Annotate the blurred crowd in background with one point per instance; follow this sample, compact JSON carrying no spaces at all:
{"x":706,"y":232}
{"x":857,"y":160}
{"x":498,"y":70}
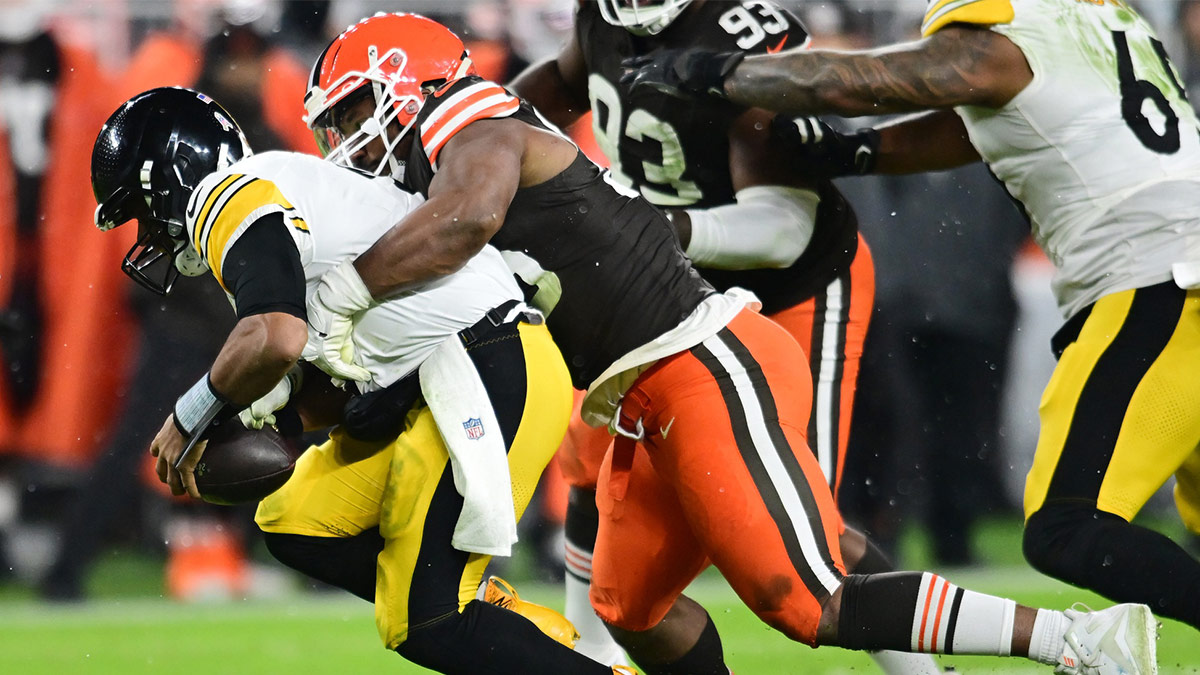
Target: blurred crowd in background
{"x":945,"y":421}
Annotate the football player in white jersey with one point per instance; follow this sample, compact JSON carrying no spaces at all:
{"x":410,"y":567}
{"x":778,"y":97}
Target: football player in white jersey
{"x":389,"y":513}
{"x":1076,"y":107}
{"x":734,"y":483}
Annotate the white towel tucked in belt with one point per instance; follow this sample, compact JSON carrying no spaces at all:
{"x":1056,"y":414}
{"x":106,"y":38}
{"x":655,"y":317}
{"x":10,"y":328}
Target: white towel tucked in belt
{"x":464,"y":416}
{"x":1186,"y":274}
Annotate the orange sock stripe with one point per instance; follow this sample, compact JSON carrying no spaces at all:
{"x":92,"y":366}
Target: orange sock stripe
{"x":937,"y":620}
{"x":933,"y":579}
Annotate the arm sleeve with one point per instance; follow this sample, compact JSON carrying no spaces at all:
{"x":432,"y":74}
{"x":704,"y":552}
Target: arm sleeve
{"x":262,"y":270}
{"x":767,"y":227}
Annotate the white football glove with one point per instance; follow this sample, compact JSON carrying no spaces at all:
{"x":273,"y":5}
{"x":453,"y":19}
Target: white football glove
{"x":340,"y":295}
{"x":262,"y":411}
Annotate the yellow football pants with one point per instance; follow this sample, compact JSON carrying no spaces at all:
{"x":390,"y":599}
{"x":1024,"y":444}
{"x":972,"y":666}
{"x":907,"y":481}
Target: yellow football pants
{"x":405,"y":488}
{"x":1121,"y":412}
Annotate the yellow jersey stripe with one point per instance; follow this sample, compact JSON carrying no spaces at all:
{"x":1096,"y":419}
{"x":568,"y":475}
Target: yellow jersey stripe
{"x":198,"y":233}
{"x":256,"y":197}
{"x":298,"y":222}
{"x":982,"y":12}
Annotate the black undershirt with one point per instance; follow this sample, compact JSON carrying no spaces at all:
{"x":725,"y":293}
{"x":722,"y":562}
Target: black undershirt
{"x":263,"y":272}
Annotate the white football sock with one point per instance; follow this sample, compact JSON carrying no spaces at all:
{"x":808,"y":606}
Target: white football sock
{"x":1046,"y":643}
{"x":953,"y":620}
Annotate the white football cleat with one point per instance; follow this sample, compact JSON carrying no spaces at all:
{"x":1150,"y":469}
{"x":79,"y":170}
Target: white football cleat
{"x":1120,"y":640}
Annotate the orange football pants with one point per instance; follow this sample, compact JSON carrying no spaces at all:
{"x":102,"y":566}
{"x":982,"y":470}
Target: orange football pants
{"x":722,"y":475}
{"x":830,"y":328}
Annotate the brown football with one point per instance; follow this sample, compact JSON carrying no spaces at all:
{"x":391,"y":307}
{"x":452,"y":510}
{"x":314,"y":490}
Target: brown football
{"x":242,"y":465}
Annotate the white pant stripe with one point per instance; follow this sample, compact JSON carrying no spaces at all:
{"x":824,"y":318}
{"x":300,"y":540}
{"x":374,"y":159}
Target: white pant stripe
{"x":768,"y":453}
{"x":827,"y":391}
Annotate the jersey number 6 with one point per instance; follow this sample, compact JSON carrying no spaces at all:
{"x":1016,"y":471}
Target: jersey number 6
{"x":1135,"y":93}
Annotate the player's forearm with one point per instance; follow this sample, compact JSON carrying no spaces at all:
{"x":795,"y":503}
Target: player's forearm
{"x":926,"y":142}
{"x":257,"y":355}
{"x":949,"y":69}
{"x":769,"y":226}
{"x":433,"y":241}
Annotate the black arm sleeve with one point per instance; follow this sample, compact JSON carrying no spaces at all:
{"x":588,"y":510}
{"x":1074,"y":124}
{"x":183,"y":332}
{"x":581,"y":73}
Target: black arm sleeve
{"x":263,"y":272}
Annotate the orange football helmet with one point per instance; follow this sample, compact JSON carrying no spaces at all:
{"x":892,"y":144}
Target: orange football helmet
{"x":397,"y":59}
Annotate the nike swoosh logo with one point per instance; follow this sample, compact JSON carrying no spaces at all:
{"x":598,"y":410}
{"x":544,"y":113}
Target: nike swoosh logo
{"x":776,"y":48}
{"x":663,"y":430}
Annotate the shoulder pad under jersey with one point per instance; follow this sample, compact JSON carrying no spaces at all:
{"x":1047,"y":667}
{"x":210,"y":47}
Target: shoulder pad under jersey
{"x":979,"y":12}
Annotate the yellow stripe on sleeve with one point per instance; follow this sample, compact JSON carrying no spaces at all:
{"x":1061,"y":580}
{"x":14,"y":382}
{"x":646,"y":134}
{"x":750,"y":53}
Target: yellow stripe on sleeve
{"x":980,"y":12}
{"x":297,"y":221}
{"x":198,"y":232}
{"x":257,"y":195}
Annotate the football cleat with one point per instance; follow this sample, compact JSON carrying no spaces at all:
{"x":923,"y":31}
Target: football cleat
{"x":1120,"y":640}
{"x":500,"y":593}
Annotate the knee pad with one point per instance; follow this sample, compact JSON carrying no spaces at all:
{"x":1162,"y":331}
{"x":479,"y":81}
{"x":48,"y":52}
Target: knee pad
{"x":1057,"y":534}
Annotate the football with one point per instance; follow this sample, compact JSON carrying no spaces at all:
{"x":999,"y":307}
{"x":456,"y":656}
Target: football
{"x":242,"y":465}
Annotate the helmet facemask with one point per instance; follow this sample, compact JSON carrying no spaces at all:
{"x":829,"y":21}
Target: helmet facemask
{"x":162,"y":251}
{"x":396,"y":104}
{"x":642,"y":17}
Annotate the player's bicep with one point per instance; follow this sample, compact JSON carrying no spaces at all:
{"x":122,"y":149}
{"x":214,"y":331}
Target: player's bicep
{"x":263,"y":271}
{"x":573,"y":68}
{"x":480,"y":166}
{"x":557,"y":87}
{"x":754,"y":159}
{"x":961,"y":65}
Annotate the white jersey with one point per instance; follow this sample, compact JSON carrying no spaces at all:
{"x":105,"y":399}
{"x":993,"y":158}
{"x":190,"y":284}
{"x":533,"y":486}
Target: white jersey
{"x":335,"y":214}
{"x":1102,"y":148}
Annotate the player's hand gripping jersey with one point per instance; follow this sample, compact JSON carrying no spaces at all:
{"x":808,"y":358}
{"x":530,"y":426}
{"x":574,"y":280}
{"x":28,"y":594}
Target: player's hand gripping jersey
{"x":334,"y":214}
{"x":1102,"y":88}
{"x":677,"y":154}
{"x":610,"y":276}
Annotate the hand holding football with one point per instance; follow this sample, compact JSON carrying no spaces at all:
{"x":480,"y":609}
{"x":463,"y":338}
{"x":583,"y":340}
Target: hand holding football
{"x":242,"y":465}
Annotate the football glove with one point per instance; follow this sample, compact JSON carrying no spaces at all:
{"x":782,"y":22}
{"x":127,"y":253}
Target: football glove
{"x":682,"y":72}
{"x":824,"y":152}
{"x":340,"y":295}
{"x":262,"y":411}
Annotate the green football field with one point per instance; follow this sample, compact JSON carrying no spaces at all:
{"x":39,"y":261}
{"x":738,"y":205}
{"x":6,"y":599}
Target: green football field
{"x":130,"y":630}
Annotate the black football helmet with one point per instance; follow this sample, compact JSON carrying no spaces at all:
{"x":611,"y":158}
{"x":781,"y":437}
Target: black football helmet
{"x":150,"y":156}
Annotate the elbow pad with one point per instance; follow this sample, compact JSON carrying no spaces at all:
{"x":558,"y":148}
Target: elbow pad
{"x":769,"y":226}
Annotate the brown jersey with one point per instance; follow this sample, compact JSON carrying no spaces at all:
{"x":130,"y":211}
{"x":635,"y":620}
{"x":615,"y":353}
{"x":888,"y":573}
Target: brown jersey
{"x":603,"y":262}
{"x":677,"y":155}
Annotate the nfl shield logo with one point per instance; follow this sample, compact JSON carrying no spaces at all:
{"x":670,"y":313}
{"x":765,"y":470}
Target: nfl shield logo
{"x":474,"y":428}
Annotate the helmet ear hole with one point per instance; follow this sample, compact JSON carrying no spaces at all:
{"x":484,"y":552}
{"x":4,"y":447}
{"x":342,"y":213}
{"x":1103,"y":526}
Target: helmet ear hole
{"x":430,"y":86}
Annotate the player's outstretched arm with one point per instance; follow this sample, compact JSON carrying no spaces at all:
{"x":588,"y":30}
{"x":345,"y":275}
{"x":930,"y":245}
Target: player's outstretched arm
{"x":925,"y":142}
{"x":479,"y":170}
{"x":959,"y":65}
{"x":772,"y":219}
{"x":557,"y":86}
{"x":930,"y":141}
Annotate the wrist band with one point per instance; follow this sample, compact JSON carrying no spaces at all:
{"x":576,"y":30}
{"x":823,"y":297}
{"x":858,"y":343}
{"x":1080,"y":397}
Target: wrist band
{"x":198,"y":407}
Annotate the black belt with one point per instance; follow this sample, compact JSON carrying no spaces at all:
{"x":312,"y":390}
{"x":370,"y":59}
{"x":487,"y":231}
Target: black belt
{"x":493,"y":319}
